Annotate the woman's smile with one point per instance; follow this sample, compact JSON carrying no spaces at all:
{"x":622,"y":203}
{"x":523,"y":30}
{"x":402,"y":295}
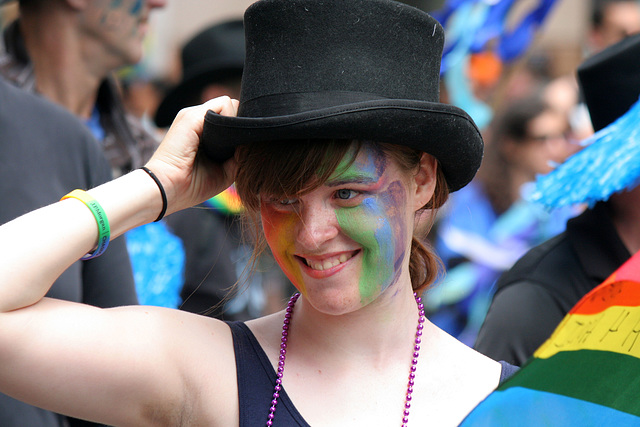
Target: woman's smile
{"x":325,"y":262}
{"x":355,"y":225}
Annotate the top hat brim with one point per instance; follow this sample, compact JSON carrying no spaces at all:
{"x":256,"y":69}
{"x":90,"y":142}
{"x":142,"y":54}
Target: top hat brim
{"x":187,"y":92}
{"x":442,"y":130}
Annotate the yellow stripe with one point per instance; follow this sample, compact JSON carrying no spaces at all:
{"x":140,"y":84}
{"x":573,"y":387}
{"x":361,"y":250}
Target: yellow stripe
{"x":615,"y":329}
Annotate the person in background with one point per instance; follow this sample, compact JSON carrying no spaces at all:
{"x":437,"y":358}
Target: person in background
{"x":215,"y":256}
{"x":44,"y":150}
{"x":533,"y":297}
{"x":67,"y":51}
{"x":212,"y":62}
{"x":340,"y":143}
{"x":488,"y":225}
{"x":611,"y":21}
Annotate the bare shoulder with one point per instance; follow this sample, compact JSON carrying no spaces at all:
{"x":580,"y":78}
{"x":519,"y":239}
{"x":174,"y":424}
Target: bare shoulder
{"x":459,"y":376}
{"x":476,"y":371}
{"x":268,"y":332}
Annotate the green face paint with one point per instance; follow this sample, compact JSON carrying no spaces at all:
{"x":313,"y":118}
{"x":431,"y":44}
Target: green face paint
{"x":378,"y":224}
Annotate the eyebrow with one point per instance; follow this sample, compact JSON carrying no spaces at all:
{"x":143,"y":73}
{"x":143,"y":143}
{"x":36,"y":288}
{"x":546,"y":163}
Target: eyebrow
{"x":355,"y":178}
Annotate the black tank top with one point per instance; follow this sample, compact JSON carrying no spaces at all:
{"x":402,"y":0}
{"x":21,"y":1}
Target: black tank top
{"x":257,"y":378}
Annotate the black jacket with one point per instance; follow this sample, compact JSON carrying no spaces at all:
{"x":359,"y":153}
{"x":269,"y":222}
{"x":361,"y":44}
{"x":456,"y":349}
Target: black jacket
{"x":534,"y":296}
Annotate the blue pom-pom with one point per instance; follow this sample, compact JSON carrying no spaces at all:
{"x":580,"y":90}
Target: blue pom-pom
{"x":609,"y":163}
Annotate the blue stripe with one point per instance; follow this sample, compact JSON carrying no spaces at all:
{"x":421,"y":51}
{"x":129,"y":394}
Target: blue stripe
{"x":524,"y":407}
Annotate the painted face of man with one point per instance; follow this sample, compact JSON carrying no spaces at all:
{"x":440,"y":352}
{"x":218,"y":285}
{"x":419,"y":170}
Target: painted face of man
{"x":118,"y":27}
{"x":348,"y":240}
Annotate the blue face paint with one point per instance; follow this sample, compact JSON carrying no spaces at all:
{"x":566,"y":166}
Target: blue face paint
{"x":378,"y":223}
{"x":136,"y":7}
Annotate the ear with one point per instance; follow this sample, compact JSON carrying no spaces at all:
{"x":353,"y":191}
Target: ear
{"x":425,"y":180}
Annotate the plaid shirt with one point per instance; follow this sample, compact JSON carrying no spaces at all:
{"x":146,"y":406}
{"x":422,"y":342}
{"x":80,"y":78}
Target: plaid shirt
{"x":127,"y":144}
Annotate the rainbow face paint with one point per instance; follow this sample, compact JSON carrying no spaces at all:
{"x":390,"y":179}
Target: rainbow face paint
{"x":378,"y":224}
{"x":279,"y":230}
{"x":366,"y":203}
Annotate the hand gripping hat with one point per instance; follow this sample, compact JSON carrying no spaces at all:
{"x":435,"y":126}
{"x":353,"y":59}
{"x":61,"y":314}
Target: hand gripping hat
{"x":357,"y":69}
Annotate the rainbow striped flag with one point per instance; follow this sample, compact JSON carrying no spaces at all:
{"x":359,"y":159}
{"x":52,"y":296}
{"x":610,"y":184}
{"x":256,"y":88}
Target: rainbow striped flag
{"x":227,"y":202}
{"x":587,"y":373}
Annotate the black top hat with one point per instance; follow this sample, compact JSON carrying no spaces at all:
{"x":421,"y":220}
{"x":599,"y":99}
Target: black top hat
{"x":214,"y":54}
{"x":610,"y":81}
{"x":357,"y":69}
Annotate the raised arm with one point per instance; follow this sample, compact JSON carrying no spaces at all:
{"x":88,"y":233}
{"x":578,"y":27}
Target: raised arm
{"x":120,"y":365}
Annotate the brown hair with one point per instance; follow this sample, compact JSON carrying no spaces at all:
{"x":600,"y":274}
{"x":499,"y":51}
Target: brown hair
{"x":289,"y":168}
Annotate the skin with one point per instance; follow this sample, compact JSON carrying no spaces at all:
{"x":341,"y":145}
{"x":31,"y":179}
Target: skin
{"x":119,"y":27}
{"x":354,"y":215}
{"x":127,"y":366}
{"x":621,"y":19}
{"x":75,"y":44}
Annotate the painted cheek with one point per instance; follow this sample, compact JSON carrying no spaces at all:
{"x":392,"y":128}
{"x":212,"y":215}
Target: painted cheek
{"x":378,"y":226}
{"x":279,"y":230}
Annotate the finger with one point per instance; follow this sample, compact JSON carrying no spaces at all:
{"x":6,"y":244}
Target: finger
{"x":229,"y":107}
{"x":218,"y":105}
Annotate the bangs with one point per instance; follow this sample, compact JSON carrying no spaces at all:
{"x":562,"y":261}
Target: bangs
{"x":286,"y":169}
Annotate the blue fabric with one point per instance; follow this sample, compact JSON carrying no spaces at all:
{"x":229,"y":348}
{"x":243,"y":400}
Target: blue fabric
{"x":93,"y":123}
{"x":158,"y":258}
{"x":523,"y":407}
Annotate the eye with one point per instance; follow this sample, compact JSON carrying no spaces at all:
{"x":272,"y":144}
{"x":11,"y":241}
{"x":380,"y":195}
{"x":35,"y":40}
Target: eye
{"x":346,"y":194}
{"x":286,"y":202}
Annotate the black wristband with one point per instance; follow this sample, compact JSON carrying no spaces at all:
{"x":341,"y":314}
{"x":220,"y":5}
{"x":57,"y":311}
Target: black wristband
{"x":162,"y":192}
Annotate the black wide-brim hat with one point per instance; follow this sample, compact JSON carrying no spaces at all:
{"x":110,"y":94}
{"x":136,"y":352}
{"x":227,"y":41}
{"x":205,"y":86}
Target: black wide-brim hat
{"x":610,"y":81}
{"x":357,"y":69}
{"x":211,"y":56}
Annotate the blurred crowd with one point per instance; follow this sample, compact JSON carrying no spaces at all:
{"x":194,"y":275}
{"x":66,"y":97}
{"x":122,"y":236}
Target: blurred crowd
{"x":191,"y":260}
{"x":538,"y":120}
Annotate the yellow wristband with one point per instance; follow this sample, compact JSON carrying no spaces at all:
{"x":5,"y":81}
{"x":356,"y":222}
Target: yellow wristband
{"x":104,"y":232}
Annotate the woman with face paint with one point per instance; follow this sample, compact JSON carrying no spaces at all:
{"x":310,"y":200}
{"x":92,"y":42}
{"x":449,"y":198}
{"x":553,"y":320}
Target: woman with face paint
{"x":339,"y":145}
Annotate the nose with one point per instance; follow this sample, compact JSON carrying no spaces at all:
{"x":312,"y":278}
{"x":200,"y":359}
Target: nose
{"x":156,"y":4}
{"x":318,"y":224}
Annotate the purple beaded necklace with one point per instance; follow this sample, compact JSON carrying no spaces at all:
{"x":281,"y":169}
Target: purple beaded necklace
{"x":283,"y":355}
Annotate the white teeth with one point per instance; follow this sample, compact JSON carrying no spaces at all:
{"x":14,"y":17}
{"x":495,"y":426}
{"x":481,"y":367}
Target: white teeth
{"x":328,"y":263}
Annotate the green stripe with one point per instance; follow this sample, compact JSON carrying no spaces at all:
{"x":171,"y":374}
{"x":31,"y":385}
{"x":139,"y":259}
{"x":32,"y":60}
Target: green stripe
{"x":602,"y":377}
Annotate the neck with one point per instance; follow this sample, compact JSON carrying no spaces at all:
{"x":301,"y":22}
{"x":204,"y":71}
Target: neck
{"x":376,"y":331}
{"x":64,"y":73}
